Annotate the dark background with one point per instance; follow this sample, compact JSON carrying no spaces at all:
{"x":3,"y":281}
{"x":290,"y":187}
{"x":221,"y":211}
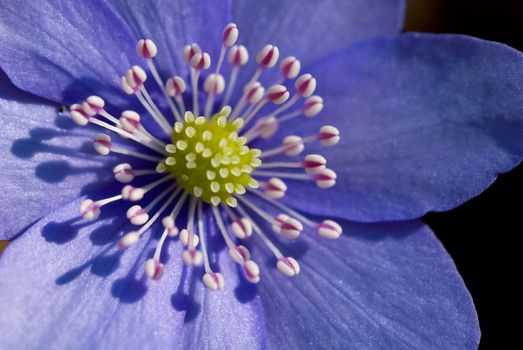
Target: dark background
{"x":481,"y":234}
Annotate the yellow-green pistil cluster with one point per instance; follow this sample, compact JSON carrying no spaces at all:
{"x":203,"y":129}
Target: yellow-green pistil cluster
{"x":210,"y":160}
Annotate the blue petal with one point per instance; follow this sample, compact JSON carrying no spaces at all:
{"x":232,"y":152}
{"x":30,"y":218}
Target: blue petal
{"x":65,"y":51}
{"x":310,"y":29}
{"x":86,"y":294}
{"x":46,"y":161}
{"x":380,"y":286}
{"x":427,"y":122}
{"x":172,"y":24}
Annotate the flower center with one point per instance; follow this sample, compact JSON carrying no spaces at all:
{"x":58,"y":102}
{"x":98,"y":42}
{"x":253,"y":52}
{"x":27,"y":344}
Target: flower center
{"x":203,"y":162}
{"x":210,"y":160}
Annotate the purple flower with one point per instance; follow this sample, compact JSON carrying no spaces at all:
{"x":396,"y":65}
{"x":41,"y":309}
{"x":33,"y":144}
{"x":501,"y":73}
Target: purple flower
{"x":425,"y":122}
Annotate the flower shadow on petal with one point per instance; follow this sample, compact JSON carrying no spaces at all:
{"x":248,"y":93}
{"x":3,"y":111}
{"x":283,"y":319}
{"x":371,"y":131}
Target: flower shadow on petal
{"x":183,"y":298}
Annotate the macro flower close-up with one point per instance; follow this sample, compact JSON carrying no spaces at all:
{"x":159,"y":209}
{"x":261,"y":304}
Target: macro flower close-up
{"x":241,"y":174}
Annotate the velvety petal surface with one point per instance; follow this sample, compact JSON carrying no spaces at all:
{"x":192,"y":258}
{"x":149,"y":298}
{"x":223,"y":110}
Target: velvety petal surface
{"x":380,"y":286}
{"x":46,"y":160}
{"x":427,"y":122}
{"x":174,"y":24}
{"x":310,"y":29}
{"x":65,"y":50}
{"x":65,"y":284}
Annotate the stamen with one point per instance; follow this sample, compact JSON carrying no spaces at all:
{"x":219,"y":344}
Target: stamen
{"x":213,"y":280}
{"x":132,"y":83}
{"x":130,"y":122}
{"x":138,"y":215}
{"x":282,"y":224}
{"x":199,"y":62}
{"x":276,"y":94}
{"x":81,"y":118}
{"x":252,"y":93}
{"x":103,"y":145}
{"x":328,"y":228}
{"x":286,"y":265}
{"x":312,"y":107}
{"x":124,"y":172}
{"x":312,"y":164}
{"x":175,"y":87}
{"x":238,"y":57}
{"x":275,"y":188}
{"x":294,"y":145}
{"x":241,"y":227}
{"x":325,"y":179}
{"x":290,"y":68}
{"x":238,"y":254}
{"x":146,"y":48}
{"x":191,"y":256}
{"x":153,"y":267}
{"x":214,"y":85}
{"x":134,"y":194}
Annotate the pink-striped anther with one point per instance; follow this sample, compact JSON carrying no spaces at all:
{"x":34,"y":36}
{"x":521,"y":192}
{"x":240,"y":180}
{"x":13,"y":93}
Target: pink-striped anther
{"x":169,"y":224}
{"x":268,"y":56}
{"x":305,"y":85}
{"x":93,"y":105}
{"x":175,"y":86}
{"x":291,"y":228}
{"x":275,"y":188}
{"x":313,"y":106}
{"x":126,"y":87}
{"x":230,"y":34}
{"x":280,"y":219}
{"x":129,"y":121}
{"x":329,"y":135}
{"x":135,"y":77}
{"x":238,"y":56}
{"x":137,"y":215}
{"x":123,"y":173}
{"x":128,"y":240}
{"x":89,"y":210}
{"x":290,"y":67}
{"x":240,"y":254}
{"x":314,"y":164}
{"x":251,"y":271}
{"x":326,"y":179}
{"x":242,"y":228}
{"x":293,"y":145}
{"x":189,"y":51}
{"x":192,"y":257}
{"x":133,"y":194}
{"x":78,"y":114}
{"x":201,"y":61}
{"x":254,"y":92}
{"x":214,"y":84}
{"x":213,"y":281}
{"x":278,"y":94}
{"x":146,"y":48}
{"x":154,"y":269}
{"x":102,"y":144}
{"x":329,"y":229}
{"x":267,"y":126}
{"x":184,"y":238}
{"x":288,"y":266}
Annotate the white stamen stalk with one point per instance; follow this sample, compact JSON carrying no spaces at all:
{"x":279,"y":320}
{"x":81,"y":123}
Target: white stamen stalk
{"x":160,"y":83}
{"x":125,"y":134}
{"x":166,"y":126}
{"x":283,"y":207}
{"x":277,"y":253}
{"x":162,"y":208}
